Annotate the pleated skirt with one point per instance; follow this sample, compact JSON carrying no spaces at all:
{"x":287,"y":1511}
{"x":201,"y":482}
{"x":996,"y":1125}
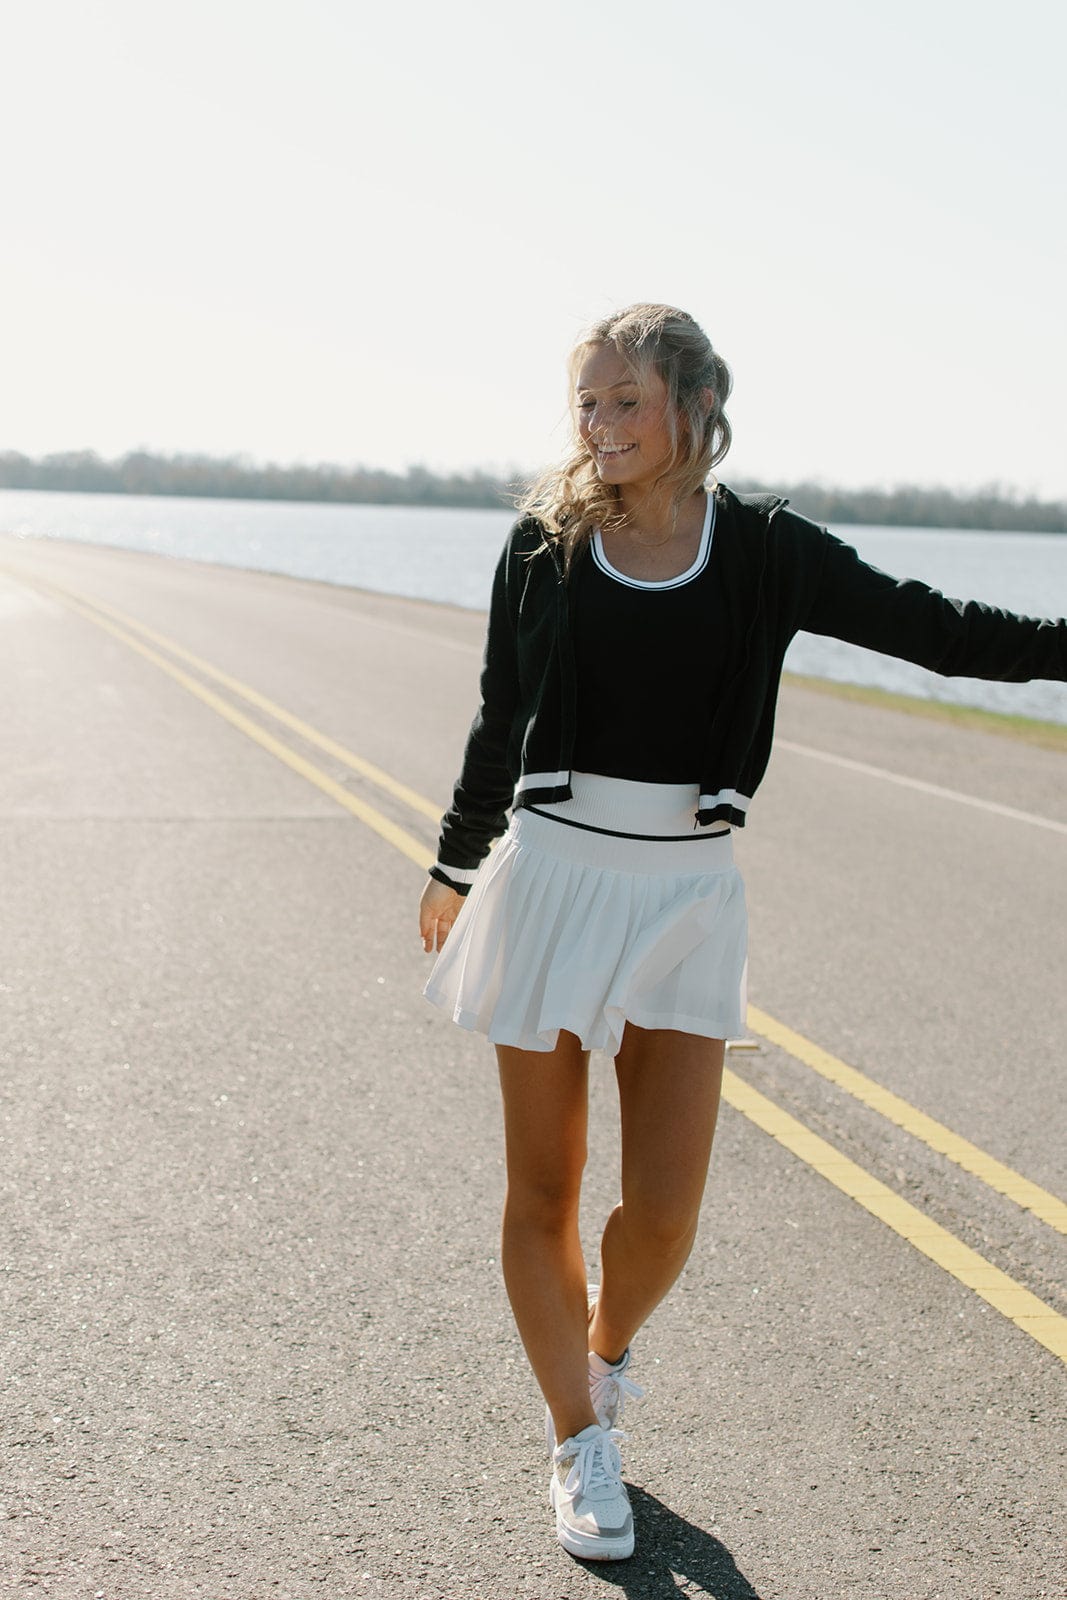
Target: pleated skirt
{"x":571,"y":924}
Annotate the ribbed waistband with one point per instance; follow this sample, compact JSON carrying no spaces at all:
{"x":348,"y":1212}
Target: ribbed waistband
{"x":620,"y":805}
{"x":631,"y":827}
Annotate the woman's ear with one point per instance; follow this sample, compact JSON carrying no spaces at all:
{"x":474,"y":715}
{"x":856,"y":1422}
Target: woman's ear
{"x":709,"y":401}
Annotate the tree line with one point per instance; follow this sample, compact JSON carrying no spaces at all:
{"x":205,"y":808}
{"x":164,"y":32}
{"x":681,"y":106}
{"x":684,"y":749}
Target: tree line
{"x":236,"y":477}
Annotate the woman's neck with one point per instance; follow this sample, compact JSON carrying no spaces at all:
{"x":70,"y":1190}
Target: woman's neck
{"x":653,"y":519}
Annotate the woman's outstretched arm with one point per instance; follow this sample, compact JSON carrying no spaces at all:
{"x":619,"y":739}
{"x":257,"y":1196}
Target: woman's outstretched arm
{"x":906,"y":618}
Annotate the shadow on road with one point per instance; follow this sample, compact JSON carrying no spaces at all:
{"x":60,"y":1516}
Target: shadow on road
{"x":673,"y":1557}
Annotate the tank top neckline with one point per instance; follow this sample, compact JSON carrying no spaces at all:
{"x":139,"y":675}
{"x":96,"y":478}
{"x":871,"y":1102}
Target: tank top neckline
{"x":693,"y":571}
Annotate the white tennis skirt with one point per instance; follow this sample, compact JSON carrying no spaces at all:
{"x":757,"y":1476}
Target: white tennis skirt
{"x":569,"y":927}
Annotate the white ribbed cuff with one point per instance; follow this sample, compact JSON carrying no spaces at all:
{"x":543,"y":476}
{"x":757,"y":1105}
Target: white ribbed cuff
{"x":725,"y":797}
{"x":457,"y":874}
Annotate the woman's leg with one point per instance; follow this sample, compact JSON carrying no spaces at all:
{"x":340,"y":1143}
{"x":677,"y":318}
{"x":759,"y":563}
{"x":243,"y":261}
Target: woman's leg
{"x":545,"y":1117}
{"x":669,"y":1086}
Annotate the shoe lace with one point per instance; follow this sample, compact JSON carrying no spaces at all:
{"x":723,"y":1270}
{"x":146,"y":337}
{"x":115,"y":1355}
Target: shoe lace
{"x":595,"y":1464}
{"x":612,"y":1390}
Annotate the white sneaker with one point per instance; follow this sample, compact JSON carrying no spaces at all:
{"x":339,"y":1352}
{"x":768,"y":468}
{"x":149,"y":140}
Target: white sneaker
{"x":609,"y":1389}
{"x":593,"y":1516}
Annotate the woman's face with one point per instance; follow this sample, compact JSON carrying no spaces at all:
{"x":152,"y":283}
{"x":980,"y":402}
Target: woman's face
{"x":624,"y":429}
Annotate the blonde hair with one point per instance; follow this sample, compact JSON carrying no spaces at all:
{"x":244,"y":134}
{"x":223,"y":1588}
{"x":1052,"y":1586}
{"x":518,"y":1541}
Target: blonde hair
{"x":569,"y":499}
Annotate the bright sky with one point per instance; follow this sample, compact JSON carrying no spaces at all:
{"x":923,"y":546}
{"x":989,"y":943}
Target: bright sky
{"x":369,"y":233}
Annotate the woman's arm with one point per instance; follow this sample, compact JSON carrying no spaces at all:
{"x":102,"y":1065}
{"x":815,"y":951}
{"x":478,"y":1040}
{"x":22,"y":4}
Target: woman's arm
{"x":903,"y":617}
{"x":484,"y":789}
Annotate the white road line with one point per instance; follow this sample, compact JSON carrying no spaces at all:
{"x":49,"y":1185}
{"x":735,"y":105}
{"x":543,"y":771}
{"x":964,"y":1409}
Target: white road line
{"x":923,"y":788}
{"x":991,"y":806}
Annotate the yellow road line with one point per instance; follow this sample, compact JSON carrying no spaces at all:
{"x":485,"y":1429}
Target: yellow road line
{"x":932,"y":1133}
{"x":398,"y":837}
{"x":1011,"y":1299}
{"x":999,"y":1177}
{"x":304,"y":730}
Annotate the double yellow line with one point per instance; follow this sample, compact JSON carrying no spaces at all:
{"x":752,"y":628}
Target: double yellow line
{"x":119,"y":625}
{"x":1010,"y":1298}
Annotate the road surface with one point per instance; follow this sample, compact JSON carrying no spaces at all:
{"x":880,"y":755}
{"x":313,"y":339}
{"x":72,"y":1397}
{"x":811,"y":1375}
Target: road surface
{"x":254,"y":1336}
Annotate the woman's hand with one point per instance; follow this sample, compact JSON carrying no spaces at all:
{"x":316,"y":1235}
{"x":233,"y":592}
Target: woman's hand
{"x":438,"y":910}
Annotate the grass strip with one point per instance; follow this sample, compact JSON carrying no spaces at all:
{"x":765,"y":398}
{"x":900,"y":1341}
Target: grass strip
{"x":1030,"y":730}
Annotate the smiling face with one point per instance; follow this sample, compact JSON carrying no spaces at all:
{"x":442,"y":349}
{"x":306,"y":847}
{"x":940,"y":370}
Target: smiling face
{"x":624,"y":425}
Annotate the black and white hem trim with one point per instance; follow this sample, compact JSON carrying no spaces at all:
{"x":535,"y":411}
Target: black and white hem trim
{"x":457,"y":878}
{"x":729,"y":805}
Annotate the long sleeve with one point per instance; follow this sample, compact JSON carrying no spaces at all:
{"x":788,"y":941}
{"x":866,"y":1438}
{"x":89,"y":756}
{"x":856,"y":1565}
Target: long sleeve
{"x":483,"y":791}
{"x":903,"y":617}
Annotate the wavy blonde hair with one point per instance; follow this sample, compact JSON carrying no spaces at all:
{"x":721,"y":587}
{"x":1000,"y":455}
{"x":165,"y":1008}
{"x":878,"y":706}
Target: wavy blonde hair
{"x":569,"y":499}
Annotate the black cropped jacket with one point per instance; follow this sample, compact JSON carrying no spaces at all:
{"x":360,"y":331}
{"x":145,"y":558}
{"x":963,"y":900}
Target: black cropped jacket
{"x":778,"y":574}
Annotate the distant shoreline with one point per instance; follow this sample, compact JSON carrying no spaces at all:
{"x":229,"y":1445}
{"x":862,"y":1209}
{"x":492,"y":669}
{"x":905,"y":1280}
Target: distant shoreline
{"x":993,"y":509}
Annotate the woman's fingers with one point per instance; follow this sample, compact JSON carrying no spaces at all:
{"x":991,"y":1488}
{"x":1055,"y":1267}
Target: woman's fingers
{"x":434,"y":932}
{"x":434,"y":937}
{"x":438,"y":910}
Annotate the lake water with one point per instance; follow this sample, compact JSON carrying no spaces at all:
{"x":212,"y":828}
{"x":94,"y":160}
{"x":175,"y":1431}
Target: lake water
{"x":445,"y":555}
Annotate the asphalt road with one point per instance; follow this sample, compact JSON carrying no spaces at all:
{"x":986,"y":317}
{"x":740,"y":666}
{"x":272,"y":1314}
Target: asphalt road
{"x":254,"y":1339}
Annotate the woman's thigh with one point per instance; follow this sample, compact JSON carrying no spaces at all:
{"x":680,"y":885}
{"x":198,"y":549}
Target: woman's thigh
{"x":669,"y":1087}
{"x":545,"y":1098}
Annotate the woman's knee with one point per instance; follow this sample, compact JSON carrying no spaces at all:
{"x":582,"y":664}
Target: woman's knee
{"x":547,"y":1200}
{"x":661,"y":1228}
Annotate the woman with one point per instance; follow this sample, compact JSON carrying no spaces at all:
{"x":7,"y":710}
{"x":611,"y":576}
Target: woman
{"x":637,"y":629}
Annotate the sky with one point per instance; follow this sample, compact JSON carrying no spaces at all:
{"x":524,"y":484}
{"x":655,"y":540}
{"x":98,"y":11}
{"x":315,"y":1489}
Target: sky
{"x":369,"y":234}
